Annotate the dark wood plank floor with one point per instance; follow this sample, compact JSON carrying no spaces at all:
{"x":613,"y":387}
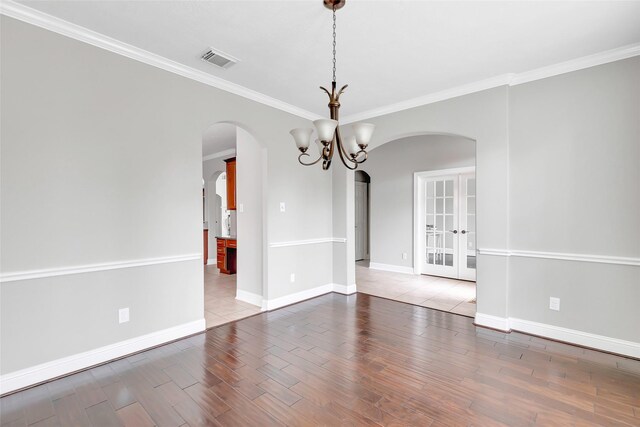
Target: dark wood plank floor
{"x":337,"y":360}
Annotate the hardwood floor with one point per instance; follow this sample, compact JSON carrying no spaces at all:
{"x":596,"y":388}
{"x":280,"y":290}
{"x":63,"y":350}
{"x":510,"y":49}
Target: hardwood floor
{"x":337,"y":360}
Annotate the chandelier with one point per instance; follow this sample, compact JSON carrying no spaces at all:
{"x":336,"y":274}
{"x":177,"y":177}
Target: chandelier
{"x":353,"y":151}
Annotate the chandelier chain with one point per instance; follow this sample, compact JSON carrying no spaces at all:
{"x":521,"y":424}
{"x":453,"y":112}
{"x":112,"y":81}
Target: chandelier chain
{"x":334,"y":43}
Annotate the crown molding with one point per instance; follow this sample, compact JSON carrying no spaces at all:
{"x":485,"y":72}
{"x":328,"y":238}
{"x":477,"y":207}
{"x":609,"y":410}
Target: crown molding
{"x":229,"y":152}
{"x":34,"y":17}
{"x":512,"y":79}
{"x":455,"y":92}
{"x":57,"y":25}
{"x":589,"y":61}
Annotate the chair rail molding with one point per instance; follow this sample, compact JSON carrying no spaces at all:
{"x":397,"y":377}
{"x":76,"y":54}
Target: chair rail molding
{"x":563,"y":256}
{"x":90,"y":268}
{"x":307,"y":242}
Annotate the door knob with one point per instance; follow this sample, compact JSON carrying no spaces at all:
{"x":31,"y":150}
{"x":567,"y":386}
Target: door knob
{"x":454,"y":231}
{"x":463,"y":231}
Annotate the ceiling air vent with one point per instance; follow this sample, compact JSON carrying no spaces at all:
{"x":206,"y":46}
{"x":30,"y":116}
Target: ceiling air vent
{"x":218,"y":58}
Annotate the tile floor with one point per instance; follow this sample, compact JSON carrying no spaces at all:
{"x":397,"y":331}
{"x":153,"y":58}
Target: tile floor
{"x":450,"y":295}
{"x":220,"y":303}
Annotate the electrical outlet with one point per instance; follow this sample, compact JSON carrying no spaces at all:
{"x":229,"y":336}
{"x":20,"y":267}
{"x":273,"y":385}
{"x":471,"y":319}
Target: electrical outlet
{"x":282,"y":207}
{"x":123,"y":315}
{"x":554,"y":303}
{"x":293,"y":277}
{"x":240,"y":207}
{"x":404,"y":255}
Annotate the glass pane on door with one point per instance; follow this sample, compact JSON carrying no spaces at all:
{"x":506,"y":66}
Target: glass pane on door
{"x":470,"y":195}
{"x":440,"y":222}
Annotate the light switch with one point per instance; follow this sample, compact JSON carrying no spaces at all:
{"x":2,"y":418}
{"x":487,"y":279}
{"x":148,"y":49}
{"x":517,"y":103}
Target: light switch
{"x":554,"y":303}
{"x":240,"y":207}
{"x":282,"y":207}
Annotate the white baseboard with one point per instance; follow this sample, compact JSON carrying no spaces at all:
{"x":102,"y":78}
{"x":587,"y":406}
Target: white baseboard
{"x":493,"y":322}
{"x":344,"y":289}
{"x":49,"y":370}
{"x":212,"y":261}
{"x":272,"y":304}
{"x":600,"y":342}
{"x":392,"y":268}
{"x":249,"y":297}
{"x":572,"y":336}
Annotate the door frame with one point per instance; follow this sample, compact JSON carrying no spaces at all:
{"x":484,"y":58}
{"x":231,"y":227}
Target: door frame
{"x":418,"y":201}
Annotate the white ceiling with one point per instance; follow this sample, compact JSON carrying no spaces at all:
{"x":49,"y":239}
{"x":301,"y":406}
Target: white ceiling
{"x":388,"y":52}
{"x":219,"y":137}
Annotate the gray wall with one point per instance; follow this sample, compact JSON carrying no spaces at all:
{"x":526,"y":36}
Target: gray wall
{"x":557,"y":173}
{"x":391,"y":168}
{"x":102,"y":162}
{"x":574,"y":175}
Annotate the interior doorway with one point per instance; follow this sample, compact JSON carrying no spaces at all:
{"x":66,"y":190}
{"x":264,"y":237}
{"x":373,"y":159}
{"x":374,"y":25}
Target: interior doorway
{"x":233,"y":174}
{"x":445,"y":214}
{"x":400,"y":265}
{"x":362,"y":194}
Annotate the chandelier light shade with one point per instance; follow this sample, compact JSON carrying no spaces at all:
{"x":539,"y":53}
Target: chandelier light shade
{"x":353,"y":151}
{"x":301,"y":136}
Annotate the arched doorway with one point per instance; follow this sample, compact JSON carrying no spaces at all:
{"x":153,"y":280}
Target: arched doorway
{"x":361,"y":216}
{"x":236,"y":230}
{"x":403,"y":237}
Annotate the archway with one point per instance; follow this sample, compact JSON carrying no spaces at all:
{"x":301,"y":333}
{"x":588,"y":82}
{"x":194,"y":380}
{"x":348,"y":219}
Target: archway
{"x":239,"y":233}
{"x":397,"y":228}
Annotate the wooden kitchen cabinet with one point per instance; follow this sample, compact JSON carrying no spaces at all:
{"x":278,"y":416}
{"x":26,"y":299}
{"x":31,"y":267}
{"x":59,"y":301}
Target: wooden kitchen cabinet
{"x":226,"y":254}
{"x":231,"y":183}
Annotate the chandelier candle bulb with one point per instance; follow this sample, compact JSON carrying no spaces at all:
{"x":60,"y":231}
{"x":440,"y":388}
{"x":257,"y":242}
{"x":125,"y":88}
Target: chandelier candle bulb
{"x":301,"y":136}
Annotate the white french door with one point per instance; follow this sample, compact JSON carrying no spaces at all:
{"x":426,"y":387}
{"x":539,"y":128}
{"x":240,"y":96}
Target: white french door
{"x":446,"y":224}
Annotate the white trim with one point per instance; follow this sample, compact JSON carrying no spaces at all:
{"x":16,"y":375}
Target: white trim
{"x":308,"y":242}
{"x":229,"y":152}
{"x":600,"y":342}
{"x":344,"y":289}
{"x":249,"y":297}
{"x":493,"y":322}
{"x":392,"y":268}
{"x":602,"y":259}
{"x":589,"y":61}
{"x":275,"y":303}
{"x":441,"y":172}
{"x":90,"y":268}
{"x":572,"y":336}
{"x":431,"y":98}
{"x":212,"y":261}
{"x":493,"y":252}
{"x":60,"y":26}
{"x":46,"y":371}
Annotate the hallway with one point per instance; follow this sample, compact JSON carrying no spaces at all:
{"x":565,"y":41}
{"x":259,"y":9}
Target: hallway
{"x":454,"y":296}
